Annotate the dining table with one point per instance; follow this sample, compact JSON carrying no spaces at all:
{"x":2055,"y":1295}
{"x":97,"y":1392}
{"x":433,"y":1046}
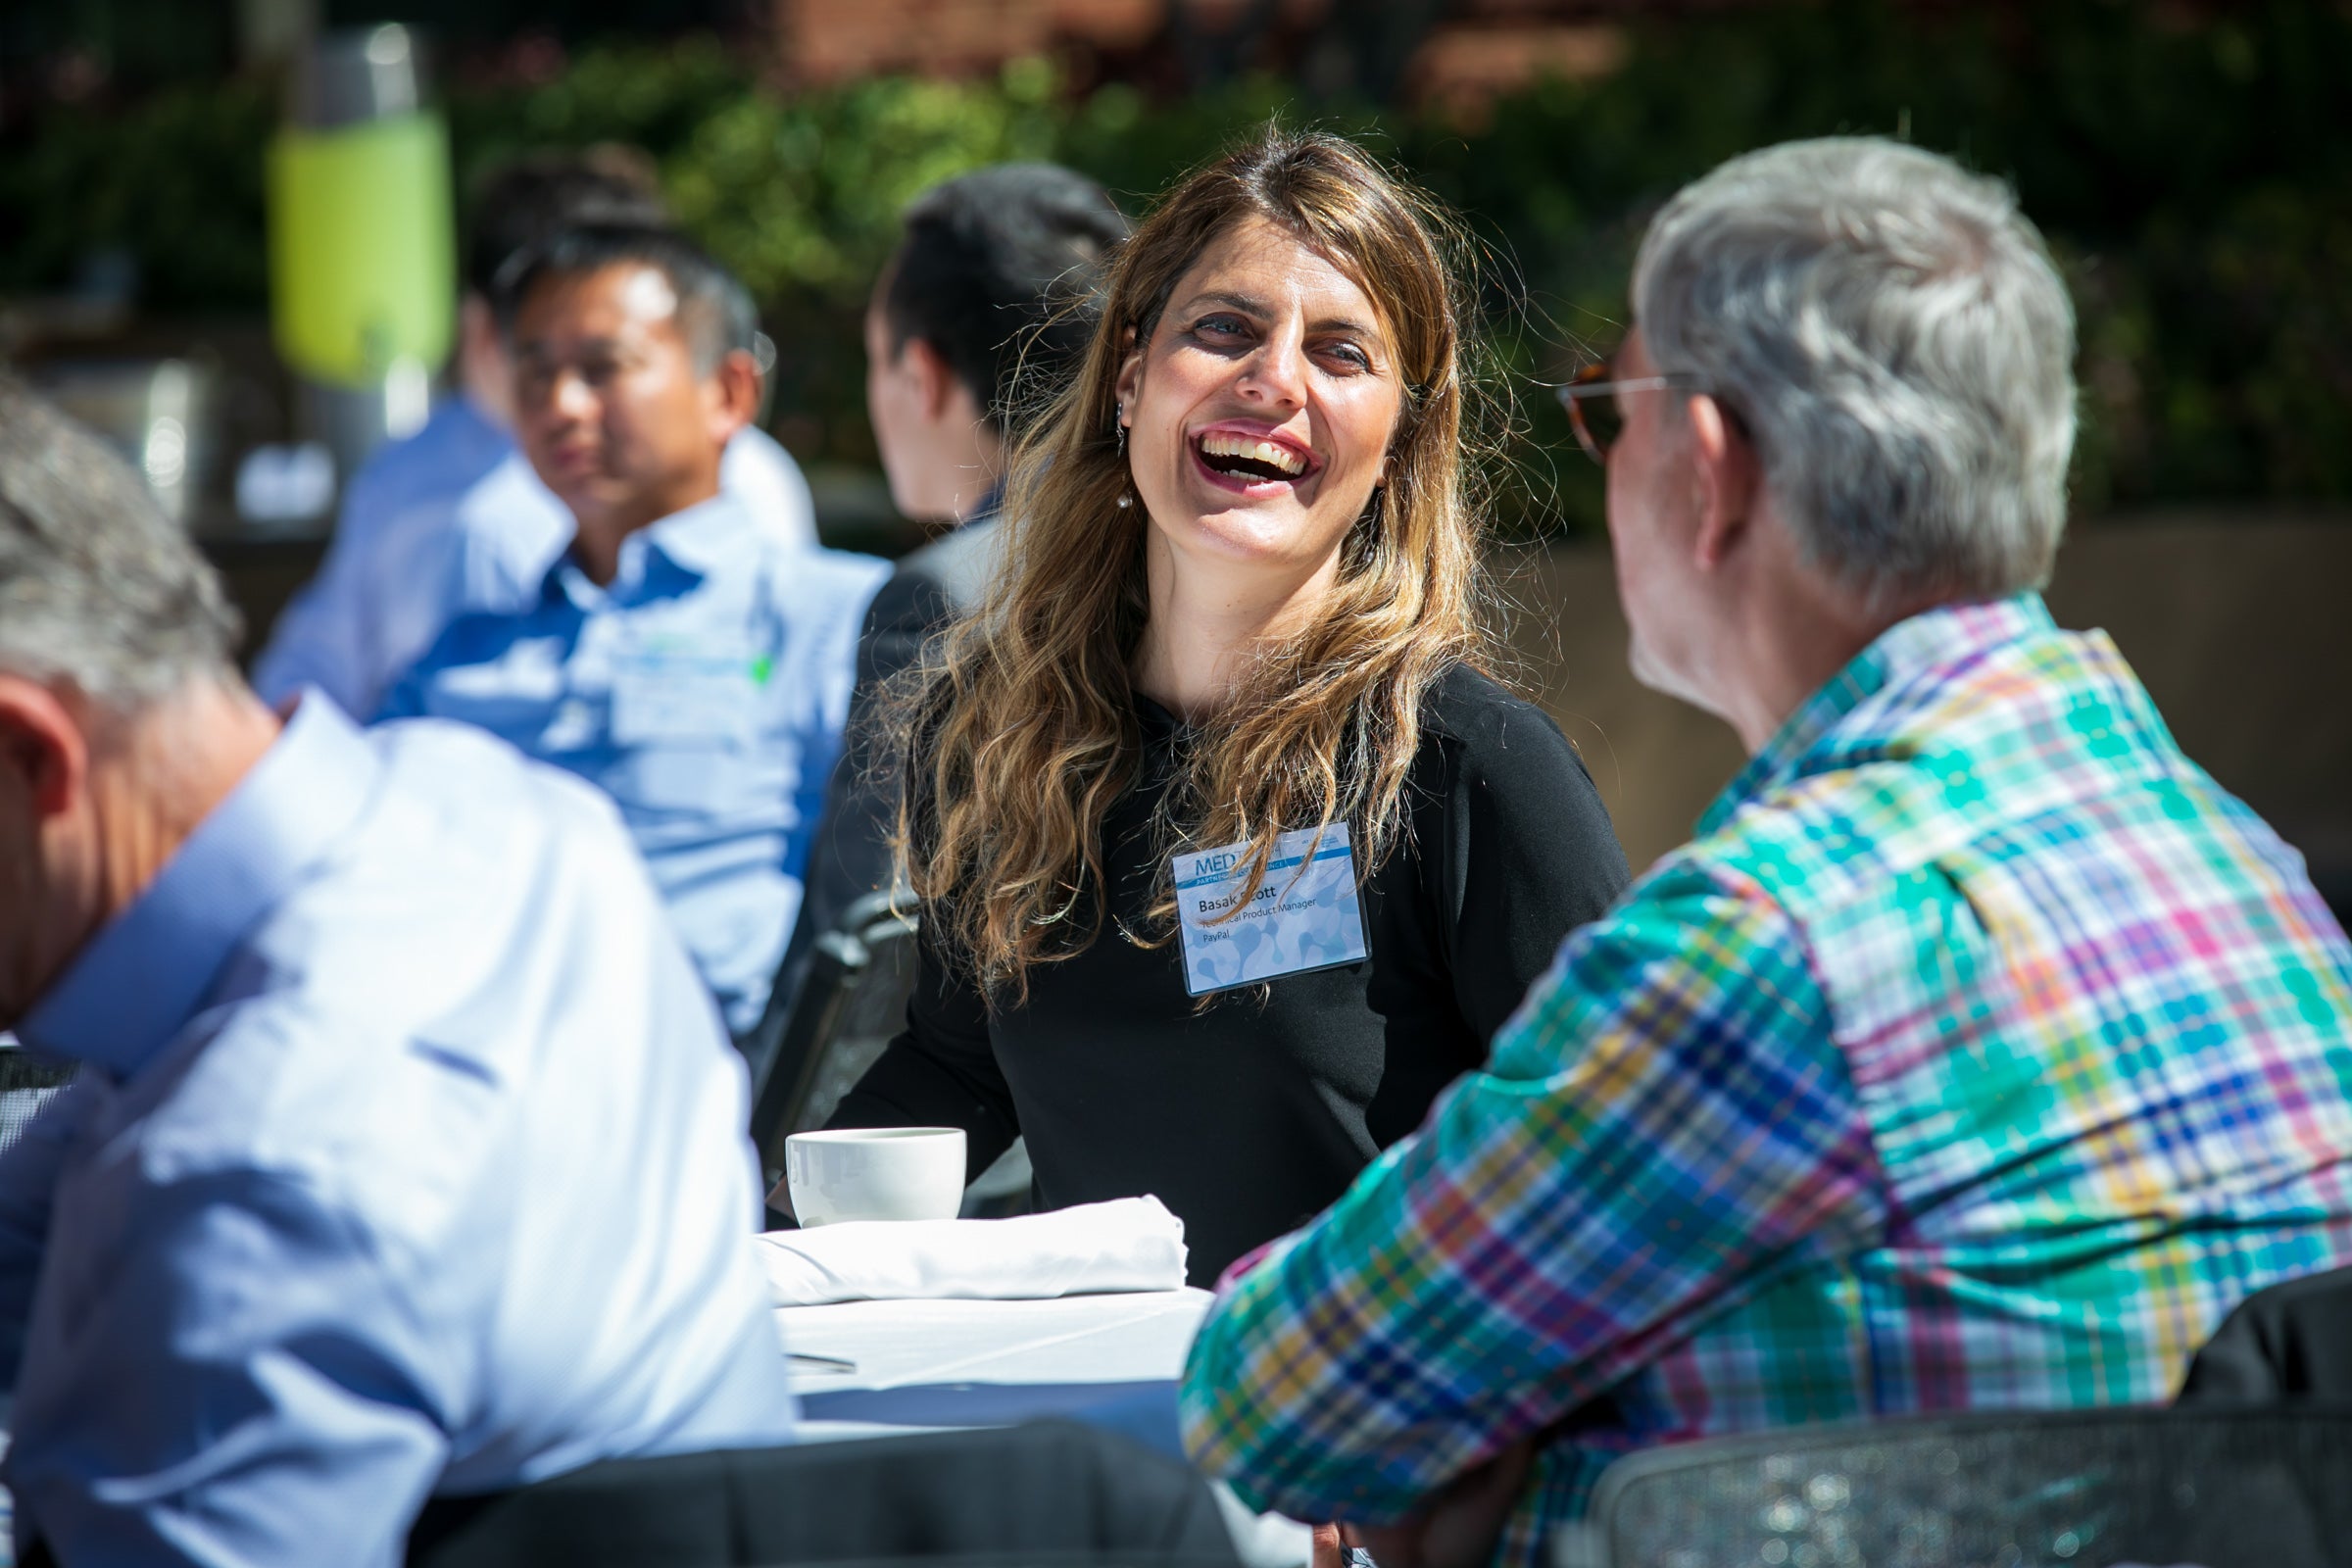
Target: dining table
{"x":864,"y":1369}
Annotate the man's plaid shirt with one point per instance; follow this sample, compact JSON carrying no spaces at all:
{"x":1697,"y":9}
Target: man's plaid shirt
{"x":1980,"y":1051}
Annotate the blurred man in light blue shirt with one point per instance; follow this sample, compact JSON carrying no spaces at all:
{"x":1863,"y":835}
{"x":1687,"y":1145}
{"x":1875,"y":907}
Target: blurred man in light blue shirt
{"x":405,"y":1158}
{"x":452,"y":519}
{"x":677,"y":655}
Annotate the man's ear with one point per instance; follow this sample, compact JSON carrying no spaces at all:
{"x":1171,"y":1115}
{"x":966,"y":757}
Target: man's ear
{"x":1725,"y":471}
{"x":42,"y":744}
{"x":732,"y":394}
{"x":483,"y":364}
{"x":934,"y":383}
{"x":477,"y":326}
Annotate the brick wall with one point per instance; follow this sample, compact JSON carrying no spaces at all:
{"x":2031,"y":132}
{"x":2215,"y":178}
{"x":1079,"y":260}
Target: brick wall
{"x":1484,"y":46}
{"x":830,"y":41}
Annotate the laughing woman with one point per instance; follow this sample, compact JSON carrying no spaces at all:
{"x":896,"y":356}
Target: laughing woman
{"x":1230,"y":855}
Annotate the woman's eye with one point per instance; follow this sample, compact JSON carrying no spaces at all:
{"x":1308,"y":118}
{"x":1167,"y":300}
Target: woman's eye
{"x":1349,"y":355}
{"x":1223,"y":327}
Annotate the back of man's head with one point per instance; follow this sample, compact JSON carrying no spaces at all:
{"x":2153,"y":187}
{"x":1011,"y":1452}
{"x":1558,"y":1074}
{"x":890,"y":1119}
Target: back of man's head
{"x":997,"y":273}
{"x":527,"y":202}
{"x":98,"y":591}
{"x":1892,"y":331}
{"x":714,"y":310}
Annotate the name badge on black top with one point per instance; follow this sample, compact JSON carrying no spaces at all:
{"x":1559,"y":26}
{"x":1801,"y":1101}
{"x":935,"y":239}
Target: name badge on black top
{"x":1305,"y":914}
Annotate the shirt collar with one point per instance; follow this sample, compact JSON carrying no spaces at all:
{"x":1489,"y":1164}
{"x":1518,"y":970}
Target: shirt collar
{"x":706,"y":538}
{"x":1941,"y":638}
{"x":148,"y":969}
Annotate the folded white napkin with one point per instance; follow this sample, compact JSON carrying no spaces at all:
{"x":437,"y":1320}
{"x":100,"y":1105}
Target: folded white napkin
{"x":1131,"y":1244}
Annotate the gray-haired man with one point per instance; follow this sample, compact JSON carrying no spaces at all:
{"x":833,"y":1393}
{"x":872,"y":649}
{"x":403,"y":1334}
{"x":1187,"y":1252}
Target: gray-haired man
{"x":1980,"y":1050}
{"x":406,"y":1153}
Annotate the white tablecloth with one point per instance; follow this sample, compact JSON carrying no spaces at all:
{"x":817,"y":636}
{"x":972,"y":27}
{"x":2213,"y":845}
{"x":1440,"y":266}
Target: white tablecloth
{"x":984,"y":1363}
{"x":929,"y":1364}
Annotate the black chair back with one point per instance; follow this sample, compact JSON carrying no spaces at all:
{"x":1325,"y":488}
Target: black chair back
{"x":2075,"y":1489}
{"x":1049,"y":1493}
{"x":845,"y":1008}
{"x":2291,"y":1341}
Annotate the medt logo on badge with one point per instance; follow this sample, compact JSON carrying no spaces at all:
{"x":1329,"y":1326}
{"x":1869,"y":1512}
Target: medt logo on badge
{"x":1214,"y":864}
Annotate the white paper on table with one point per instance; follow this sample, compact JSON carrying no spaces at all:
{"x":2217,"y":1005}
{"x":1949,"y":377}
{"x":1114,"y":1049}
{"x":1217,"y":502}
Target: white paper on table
{"x":1133,"y":1243}
{"x":1078,"y":1339}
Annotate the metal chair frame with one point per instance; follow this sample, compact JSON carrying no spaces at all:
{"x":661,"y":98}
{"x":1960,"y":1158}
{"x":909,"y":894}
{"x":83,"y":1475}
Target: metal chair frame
{"x":2058,"y":1489}
{"x":27,"y":1083}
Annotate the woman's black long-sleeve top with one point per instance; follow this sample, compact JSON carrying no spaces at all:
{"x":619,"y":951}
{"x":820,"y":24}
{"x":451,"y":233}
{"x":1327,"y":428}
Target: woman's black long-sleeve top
{"x":1252,"y":1116}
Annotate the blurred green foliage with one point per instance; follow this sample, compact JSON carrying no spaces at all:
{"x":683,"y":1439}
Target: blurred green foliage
{"x":175,"y":182}
{"x":2195,"y":175}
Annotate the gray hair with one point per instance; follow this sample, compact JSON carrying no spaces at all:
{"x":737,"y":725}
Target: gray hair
{"x":1892,"y":331}
{"x":98,"y":589}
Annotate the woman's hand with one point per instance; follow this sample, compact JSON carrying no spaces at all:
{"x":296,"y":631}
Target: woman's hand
{"x":1456,"y":1528}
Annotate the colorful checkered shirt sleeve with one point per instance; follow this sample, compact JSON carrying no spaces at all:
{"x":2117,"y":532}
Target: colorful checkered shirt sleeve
{"x":1665,"y":1128}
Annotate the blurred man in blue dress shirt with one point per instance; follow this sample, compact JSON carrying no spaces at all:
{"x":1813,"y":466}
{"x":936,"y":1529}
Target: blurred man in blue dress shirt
{"x":453,"y":518}
{"x":405,"y":1155}
{"x":677,"y":655}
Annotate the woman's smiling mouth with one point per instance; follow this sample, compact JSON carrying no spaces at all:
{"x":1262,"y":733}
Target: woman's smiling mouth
{"x":1238,"y":460}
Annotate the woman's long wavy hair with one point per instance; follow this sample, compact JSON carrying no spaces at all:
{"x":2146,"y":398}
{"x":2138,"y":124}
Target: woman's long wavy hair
{"x":1022,"y":727}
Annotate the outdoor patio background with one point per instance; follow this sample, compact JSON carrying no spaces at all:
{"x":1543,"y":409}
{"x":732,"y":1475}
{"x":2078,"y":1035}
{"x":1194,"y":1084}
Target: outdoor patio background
{"x":2191,"y":161}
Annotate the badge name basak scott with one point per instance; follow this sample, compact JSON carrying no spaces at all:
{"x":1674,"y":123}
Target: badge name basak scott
{"x":1305,"y":914}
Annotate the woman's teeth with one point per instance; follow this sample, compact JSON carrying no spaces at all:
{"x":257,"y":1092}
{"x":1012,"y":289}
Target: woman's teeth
{"x":1241,"y":453}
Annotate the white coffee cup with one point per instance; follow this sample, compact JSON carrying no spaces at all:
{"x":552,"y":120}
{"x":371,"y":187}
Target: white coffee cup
{"x":875,"y":1173}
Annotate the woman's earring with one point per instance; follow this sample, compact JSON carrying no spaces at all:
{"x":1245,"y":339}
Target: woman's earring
{"x":1118,"y":433}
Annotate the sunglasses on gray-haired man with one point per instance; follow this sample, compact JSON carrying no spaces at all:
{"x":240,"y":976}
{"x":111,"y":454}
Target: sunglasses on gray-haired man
{"x":1591,"y":398}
